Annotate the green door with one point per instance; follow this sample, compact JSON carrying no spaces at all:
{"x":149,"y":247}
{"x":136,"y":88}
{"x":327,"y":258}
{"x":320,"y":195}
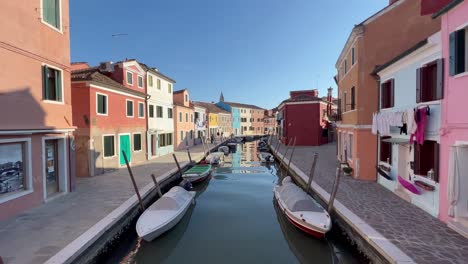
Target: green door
{"x":125,"y":147}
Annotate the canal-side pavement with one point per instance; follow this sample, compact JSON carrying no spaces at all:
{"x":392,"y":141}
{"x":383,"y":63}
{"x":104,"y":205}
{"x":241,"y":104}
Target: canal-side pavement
{"x":398,"y":230}
{"x":64,"y":226}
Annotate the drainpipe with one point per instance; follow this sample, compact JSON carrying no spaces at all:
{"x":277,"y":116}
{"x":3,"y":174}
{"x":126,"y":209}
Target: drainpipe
{"x":377,"y":78}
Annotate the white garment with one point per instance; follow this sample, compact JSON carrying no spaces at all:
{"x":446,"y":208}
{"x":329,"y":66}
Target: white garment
{"x":374,"y":123}
{"x":412,"y":126}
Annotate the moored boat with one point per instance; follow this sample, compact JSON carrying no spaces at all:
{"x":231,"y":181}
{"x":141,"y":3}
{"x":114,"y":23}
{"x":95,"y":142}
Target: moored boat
{"x":214,"y":158}
{"x":266,"y":157}
{"x":224,"y":149}
{"x":165,"y":213}
{"x":301,"y":210}
{"x":197,"y":173}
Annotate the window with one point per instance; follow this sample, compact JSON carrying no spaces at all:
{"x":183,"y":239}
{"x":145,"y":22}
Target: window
{"x":181,"y":135}
{"x":168,"y":139}
{"x":191,"y":118}
{"x":140,"y":81}
{"x":159,"y":111}
{"x":180,"y":117}
{"x":137,"y":142}
{"x":186,"y":98}
{"x":151,"y":111}
{"x":385,"y":150}
{"x":387,"y":94}
{"x":150,"y":80}
{"x":186,"y":117}
{"x":129,"y":108}
{"x":430,"y":82}
{"x":350,"y":149}
{"x":426,"y":157}
{"x":109,"y":146}
{"x":162,"y":140}
{"x":141,"y":110}
{"x":169,"y":88}
{"x":169,"y":113}
{"x":345,"y":103}
{"x":51,"y":13}
{"x":158,"y":84}
{"x":129,"y":78}
{"x":13,"y":165}
{"x":353,"y":98}
{"x":101,"y":103}
{"x":352,"y":56}
{"x":345,"y":66}
{"x":52,"y":84}
{"x":459,"y":51}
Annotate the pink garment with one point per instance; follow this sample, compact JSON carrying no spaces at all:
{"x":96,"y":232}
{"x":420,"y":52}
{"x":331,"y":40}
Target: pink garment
{"x":421,"y":127}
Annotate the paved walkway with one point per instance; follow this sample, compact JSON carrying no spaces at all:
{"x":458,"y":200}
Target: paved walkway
{"x":419,"y":235}
{"x":39,"y":233}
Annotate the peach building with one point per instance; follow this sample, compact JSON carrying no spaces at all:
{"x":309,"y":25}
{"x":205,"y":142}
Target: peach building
{"x":373,"y":42}
{"x":36,"y":141}
{"x":184,"y":124}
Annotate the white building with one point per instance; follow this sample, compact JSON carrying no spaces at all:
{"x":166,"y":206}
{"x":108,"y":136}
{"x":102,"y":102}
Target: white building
{"x":200,"y":122}
{"x":160,"y":134}
{"x":412,"y":81}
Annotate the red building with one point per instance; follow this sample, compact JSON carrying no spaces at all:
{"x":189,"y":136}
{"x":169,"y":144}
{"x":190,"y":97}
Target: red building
{"x":304,"y":116}
{"x":110,"y":115}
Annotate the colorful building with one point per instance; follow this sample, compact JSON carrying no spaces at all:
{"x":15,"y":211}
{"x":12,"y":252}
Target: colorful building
{"x":302,"y":118}
{"x":160,"y":116}
{"x":200,"y":120}
{"x":258,"y":116}
{"x":110,"y":115}
{"x":269,"y":121}
{"x":219,"y":120}
{"x":412,"y":82}
{"x":242,"y":116}
{"x":36,"y":140}
{"x":372,"y":42}
{"x":184,"y":125}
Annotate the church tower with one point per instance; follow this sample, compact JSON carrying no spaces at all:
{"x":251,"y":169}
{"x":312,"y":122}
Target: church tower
{"x":221,"y":97}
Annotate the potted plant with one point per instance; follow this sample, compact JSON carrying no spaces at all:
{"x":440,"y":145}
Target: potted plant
{"x":347,"y":171}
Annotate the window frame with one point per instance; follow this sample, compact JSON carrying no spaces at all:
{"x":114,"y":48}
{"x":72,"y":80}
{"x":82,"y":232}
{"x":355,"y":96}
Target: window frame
{"x":454,"y":59}
{"x":388,"y":147}
{"x":170,"y":113}
{"x":353,"y":59}
{"x":97,"y":104}
{"x":436,"y":155}
{"x":387,"y":94}
{"x":350,"y":146}
{"x":142,"y":110}
{"x":139,"y":77}
{"x":104,"y":146}
{"x":421,"y":78}
{"x":61,"y":101}
{"x":158,"y":83}
{"x":150,"y":80}
{"x":133,"y":141}
{"x":126,"y":108}
{"x":169,"y":88}
{"x":60,"y":29}
{"x":150,"y":110}
{"x":157,"y":112}
{"x":180,"y":117}
{"x":127,"y":79}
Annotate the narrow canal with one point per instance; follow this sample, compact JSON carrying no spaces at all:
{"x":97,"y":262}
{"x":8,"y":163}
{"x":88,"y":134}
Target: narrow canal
{"x":235,"y":220}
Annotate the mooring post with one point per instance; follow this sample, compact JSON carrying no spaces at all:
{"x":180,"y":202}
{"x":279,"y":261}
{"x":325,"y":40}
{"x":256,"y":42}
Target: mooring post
{"x":156,"y":184}
{"x":281,"y":163}
{"x":203,"y":145}
{"x":277,"y":145}
{"x":312,"y":172}
{"x":177,"y":163}
{"x":290,"y":158}
{"x":189,"y":157}
{"x":133,"y":181}
{"x":334,"y":190}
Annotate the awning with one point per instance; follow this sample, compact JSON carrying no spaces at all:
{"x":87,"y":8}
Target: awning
{"x":396,"y":140}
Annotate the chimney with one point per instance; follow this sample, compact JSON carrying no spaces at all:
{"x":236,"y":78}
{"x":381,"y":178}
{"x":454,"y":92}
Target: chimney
{"x":330,"y":91}
{"x":315,"y":93}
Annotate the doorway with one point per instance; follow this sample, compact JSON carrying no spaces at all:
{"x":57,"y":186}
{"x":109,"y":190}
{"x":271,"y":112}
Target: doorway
{"x":124,"y":146}
{"x":51,"y":167}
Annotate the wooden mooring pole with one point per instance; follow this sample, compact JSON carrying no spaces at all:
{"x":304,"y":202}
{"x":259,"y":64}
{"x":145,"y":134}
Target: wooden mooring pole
{"x":177,"y":163}
{"x":312,"y":172}
{"x":290,"y":158}
{"x":156,"y":184}
{"x":133,"y":181}
{"x":203,"y":144}
{"x":281,"y":163}
{"x":334,"y":190}
{"x":189,"y":157}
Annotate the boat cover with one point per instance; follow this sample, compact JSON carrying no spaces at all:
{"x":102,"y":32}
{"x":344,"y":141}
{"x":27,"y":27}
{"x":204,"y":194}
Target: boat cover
{"x":296,"y":199}
{"x":198,"y":169}
{"x":172,"y":200}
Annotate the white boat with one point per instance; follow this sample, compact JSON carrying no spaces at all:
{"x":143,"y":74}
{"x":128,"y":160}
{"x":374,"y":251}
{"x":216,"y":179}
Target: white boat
{"x":301,"y":210}
{"x":224,"y":149}
{"x":165,"y":213}
{"x":215,"y":158}
{"x":266,"y":157}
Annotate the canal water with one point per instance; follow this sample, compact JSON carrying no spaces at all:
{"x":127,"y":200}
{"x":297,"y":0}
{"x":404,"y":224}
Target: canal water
{"x":235,"y":220}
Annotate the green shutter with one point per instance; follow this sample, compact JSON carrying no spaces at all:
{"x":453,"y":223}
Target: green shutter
{"x":45,"y":83}
{"x":452,"y":47}
{"x":58,"y":85}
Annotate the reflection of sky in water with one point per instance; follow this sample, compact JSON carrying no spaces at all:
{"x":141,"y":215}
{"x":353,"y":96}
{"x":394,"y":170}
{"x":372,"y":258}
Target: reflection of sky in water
{"x":10,"y":153}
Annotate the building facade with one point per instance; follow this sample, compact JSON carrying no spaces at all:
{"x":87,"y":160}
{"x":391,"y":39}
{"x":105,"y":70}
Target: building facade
{"x":184,"y":125}
{"x":36,"y":140}
{"x":110,"y":115}
{"x":388,"y":30}
{"x":411,"y":83}
{"x":258,"y":116}
{"x":200,"y":122}
{"x":160,"y":113}
{"x":269,"y":121}
{"x":224,"y":122}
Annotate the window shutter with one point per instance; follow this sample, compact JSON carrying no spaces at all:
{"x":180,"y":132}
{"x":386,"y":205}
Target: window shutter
{"x":417,"y":154}
{"x":391,"y":99}
{"x":436,"y":162}
{"x":452,"y":47}
{"x":419,"y":79}
{"x":460,"y":49}
{"x":440,"y":79}
{"x":45,"y":83}
{"x":58,"y":85}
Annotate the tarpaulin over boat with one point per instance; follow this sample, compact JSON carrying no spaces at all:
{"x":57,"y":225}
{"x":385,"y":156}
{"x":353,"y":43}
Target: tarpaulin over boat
{"x":296,"y":199}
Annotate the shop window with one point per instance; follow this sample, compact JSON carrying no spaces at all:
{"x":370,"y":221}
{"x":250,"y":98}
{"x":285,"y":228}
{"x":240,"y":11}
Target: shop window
{"x":459,"y":51}
{"x":430,"y":82}
{"x":387,"y":94}
{"x":426,"y":158}
{"x":159,"y":111}
{"x":52,"y":84}
{"x":13,"y":167}
{"x":109,"y":146}
{"x":137,"y":142}
{"x":385,"y":150}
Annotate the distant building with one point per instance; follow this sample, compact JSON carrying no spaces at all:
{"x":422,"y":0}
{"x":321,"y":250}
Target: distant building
{"x":36,"y":121}
{"x":245,"y":117}
{"x":269,"y":121}
{"x":303,"y":117}
{"x":219,"y":120}
{"x":184,"y":123}
{"x":200,"y":121}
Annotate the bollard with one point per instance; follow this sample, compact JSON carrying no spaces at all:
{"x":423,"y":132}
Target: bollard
{"x":133,"y":181}
{"x":290,"y":158}
{"x":334,"y":190}
{"x":189,"y":157}
{"x":156,"y":184}
{"x":177,"y":163}
{"x":312,"y":172}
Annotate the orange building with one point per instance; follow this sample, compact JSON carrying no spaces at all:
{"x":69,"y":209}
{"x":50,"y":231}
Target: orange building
{"x":184,"y":125}
{"x":373,"y":42}
{"x":258,"y":115}
{"x":36,"y":142}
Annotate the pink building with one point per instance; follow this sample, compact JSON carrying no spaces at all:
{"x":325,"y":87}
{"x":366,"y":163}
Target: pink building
{"x":36,"y":142}
{"x":453,"y":207}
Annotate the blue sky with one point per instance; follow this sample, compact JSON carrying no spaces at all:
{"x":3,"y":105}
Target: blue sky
{"x":254,"y":51}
